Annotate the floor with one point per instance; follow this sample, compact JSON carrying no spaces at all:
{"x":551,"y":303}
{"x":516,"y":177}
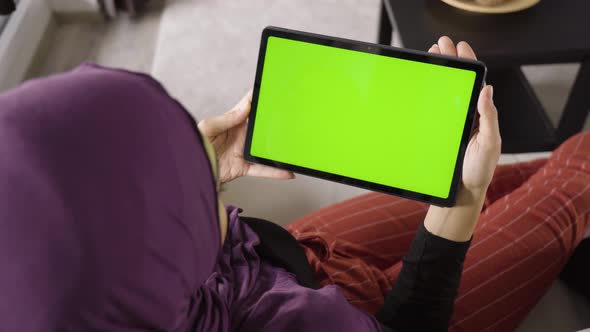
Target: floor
{"x":204,"y":53}
{"x":122,"y":42}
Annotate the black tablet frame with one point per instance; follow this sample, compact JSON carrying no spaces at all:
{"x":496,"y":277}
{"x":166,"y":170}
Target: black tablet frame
{"x":477,"y":66}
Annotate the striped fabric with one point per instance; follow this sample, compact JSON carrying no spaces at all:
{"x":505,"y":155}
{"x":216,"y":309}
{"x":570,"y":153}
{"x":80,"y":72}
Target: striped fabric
{"x":534,"y":216}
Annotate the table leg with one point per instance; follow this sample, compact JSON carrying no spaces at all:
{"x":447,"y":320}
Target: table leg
{"x":578,"y":105}
{"x":385,"y":27}
{"x":524,"y":125}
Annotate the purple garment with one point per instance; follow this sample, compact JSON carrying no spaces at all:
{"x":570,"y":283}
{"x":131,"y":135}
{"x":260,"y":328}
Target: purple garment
{"x":108,"y":215}
{"x":108,"y":221}
{"x":246,"y":293}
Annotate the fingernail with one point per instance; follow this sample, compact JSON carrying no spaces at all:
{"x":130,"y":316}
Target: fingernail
{"x":491,"y":91}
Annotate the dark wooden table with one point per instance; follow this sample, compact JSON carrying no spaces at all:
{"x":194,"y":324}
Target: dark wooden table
{"x":554,"y":31}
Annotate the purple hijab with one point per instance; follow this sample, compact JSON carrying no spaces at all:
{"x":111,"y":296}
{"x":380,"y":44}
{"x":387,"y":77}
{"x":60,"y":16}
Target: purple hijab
{"x":98,"y":202}
{"x":108,"y":221}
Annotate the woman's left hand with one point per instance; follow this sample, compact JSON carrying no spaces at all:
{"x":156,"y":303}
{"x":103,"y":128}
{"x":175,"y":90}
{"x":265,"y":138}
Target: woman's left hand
{"x":227,"y":134}
{"x":483,"y":150}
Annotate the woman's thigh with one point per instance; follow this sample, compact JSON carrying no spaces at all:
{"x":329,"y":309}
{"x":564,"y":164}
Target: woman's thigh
{"x":381,"y":226}
{"x":523,"y":241}
{"x":352,"y":243}
{"x":385,"y":225}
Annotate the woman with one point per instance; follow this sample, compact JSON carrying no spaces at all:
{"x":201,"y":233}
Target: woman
{"x":110,"y":221}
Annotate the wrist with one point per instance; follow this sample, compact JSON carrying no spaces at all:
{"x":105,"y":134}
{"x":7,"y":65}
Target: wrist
{"x":471,"y":196}
{"x":458,"y":222}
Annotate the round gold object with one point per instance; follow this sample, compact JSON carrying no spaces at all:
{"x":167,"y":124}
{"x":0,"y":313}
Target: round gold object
{"x":508,"y":6}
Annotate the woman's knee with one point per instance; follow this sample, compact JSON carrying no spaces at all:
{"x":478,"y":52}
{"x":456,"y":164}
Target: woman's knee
{"x":573,"y":154}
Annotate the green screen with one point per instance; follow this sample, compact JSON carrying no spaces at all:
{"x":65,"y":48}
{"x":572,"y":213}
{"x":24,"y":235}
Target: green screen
{"x":385,"y":120}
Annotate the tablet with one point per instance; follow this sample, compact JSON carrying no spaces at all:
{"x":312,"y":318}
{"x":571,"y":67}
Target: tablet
{"x":381,"y":118}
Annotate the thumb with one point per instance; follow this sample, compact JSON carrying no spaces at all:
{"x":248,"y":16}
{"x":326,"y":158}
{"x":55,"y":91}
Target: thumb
{"x":488,"y":115}
{"x":219,"y":124}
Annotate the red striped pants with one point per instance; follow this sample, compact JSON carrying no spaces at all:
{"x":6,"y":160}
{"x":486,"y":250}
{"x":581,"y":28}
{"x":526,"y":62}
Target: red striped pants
{"x":534,"y":216}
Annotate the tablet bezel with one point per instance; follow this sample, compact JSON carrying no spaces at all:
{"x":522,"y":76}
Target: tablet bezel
{"x":477,"y":66}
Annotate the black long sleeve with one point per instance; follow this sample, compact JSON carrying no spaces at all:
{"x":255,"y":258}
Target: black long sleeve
{"x":280,"y":248}
{"x":423,"y":296}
